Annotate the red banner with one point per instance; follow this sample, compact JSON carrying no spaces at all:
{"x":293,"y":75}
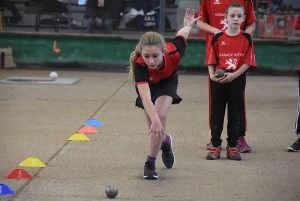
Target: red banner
{"x":275,"y":26}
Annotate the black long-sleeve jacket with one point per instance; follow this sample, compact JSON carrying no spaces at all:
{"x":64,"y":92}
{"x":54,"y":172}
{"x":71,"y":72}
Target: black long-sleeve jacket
{"x":93,"y":11}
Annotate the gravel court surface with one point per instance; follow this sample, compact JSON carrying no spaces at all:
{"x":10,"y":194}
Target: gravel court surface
{"x":37,"y":120}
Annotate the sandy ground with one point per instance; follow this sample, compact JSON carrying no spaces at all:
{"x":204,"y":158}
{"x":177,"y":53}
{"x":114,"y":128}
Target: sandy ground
{"x":36,"y":120}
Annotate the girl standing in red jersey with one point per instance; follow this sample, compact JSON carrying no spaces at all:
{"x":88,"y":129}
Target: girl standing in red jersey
{"x":212,"y":21}
{"x":153,"y":66}
{"x":235,"y":60}
{"x":296,"y":146}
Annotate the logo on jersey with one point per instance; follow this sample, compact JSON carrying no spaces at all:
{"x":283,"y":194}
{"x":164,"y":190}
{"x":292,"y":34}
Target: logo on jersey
{"x":224,"y":23}
{"x":151,"y":78}
{"x":217,"y":2}
{"x":231,"y":64}
{"x":223,"y":42}
{"x":220,"y":14}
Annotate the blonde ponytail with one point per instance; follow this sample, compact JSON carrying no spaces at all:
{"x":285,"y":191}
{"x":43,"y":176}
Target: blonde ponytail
{"x":132,"y":59}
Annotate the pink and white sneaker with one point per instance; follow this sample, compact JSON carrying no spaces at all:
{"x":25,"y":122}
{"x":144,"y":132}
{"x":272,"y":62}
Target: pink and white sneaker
{"x":242,"y":145}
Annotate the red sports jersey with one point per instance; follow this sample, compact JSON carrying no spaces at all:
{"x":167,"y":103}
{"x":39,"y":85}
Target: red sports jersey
{"x":231,"y":52}
{"x":176,"y":49}
{"x":297,"y":23}
{"x":213,"y":13}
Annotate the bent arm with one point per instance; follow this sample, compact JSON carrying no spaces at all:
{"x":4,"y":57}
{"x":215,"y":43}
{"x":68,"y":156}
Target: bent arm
{"x":241,"y":70}
{"x":211,"y":70}
{"x":251,"y":28}
{"x":207,"y":28}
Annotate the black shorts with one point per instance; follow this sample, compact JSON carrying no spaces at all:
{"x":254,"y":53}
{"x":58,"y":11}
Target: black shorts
{"x":162,"y":88}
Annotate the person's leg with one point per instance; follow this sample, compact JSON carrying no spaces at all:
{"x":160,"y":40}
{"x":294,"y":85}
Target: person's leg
{"x":217,"y":107}
{"x":162,"y":107}
{"x":108,"y":26}
{"x":296,"y":146}
{"x":235,"y":121}
{"x":90,"y":26}
{"x":243,"y":118}
{"x":297,"y":122}
{"x":242,"y":144}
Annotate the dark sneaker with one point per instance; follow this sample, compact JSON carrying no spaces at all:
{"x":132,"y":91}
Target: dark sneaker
{"x":233,"y":153}
{"x":242,"y":145}
{"x":295,"y":147}
{"x":168,"y":157}
{"x":214,"y":153}
{"x":150,"y":172}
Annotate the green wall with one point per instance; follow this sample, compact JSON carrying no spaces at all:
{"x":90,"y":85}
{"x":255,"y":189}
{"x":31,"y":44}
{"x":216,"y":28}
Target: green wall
{"x":28,"y":49}
{"x":276,"y":56}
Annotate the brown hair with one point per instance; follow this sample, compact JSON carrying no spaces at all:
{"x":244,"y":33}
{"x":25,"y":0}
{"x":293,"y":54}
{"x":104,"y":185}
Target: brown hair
{"x":147,"y":39}
{"x":235,"y":5}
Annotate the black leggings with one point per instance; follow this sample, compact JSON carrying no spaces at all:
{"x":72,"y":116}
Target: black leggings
{"x":233,"y":95}
{"x":297,"y":122}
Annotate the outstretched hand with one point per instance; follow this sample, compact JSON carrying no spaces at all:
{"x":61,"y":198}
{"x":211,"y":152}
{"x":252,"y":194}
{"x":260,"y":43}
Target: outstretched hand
{"x":189,"y":18}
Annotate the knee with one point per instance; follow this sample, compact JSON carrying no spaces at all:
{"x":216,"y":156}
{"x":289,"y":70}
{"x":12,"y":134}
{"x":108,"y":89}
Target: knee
{"x":90,"y":21}
{"x":108,"y":26}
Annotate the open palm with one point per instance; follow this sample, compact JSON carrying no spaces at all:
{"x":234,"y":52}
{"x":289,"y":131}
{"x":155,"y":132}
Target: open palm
{"x":189,"y":18}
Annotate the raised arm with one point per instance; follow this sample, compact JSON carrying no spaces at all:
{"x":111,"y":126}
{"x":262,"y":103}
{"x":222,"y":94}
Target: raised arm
{"x":189,"y":20}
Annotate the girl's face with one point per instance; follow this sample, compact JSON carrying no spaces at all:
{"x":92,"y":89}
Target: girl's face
{"x":235,"y":17}
{"x":153,"y":56}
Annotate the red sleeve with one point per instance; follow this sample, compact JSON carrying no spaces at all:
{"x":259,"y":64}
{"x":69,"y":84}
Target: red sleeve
{"x":250,"y":13}
{"x":203,"y":13}
{"x":250,"y":58}
{"x":211,"y":58}
{"x":297,"y":23}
